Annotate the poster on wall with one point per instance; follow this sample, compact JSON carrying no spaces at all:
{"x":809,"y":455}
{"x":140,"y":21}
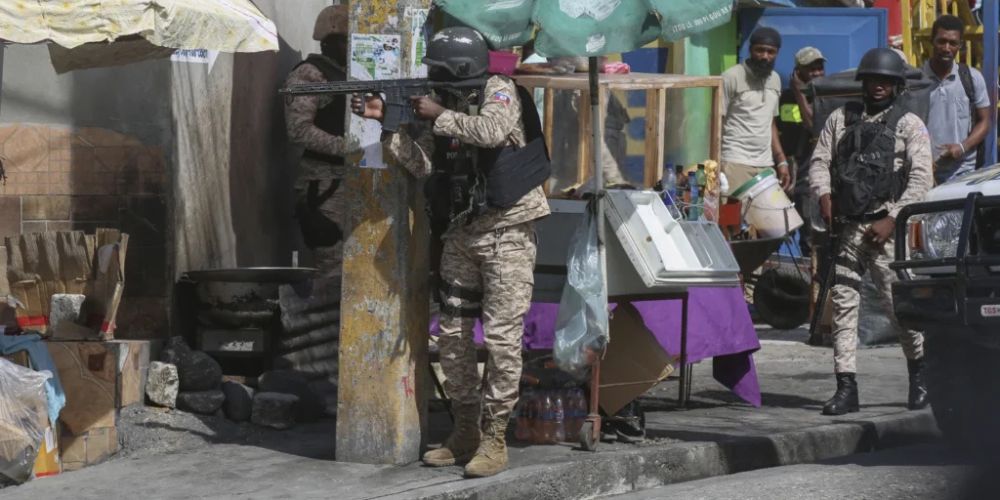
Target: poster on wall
{"x":373,"y":57}
{"x":417,"y":20}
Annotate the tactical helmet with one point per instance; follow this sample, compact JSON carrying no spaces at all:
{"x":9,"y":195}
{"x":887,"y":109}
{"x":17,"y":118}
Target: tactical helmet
{"x":332,"y":20}
{"x":881,"y":62}
{"x":461,"y":52}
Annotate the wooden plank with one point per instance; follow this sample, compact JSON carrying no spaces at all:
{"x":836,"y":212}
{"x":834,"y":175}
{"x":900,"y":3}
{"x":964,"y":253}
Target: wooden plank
{"x":656,"y":119}
{"x":583,"y":161}
{"x":381,"y":407}
{"x":578,"y":81}
{"x":715,"y":141}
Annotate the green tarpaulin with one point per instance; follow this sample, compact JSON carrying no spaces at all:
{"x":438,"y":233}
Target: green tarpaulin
{"x":586,"y":27}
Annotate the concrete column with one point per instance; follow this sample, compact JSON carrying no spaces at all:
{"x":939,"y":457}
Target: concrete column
{"x":381,"y":410}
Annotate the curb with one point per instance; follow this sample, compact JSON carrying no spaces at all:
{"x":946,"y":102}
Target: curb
{"x":627,"y":471}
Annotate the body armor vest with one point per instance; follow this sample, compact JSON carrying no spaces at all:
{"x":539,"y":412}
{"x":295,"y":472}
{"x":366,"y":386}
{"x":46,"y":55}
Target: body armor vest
{"x":863,"y":178}
{"x":332,"y":117}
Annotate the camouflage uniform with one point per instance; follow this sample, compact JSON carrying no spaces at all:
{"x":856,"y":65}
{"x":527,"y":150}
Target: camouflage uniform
{"x":857,"y":256}
{"x":300,"y":121}
{"x":486,"y":263}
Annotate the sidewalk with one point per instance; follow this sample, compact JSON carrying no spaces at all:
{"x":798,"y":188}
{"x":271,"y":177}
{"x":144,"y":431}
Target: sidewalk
{"x":717,"y":435}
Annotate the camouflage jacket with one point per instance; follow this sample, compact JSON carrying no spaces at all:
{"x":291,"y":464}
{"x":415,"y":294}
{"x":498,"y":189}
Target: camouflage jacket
{"x":913,"y":151}
{"x":300,"y":116}
{"x":497,"y":124}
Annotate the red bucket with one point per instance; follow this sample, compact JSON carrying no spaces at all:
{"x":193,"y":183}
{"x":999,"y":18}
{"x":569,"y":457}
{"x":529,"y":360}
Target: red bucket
{"x":503,"y":63}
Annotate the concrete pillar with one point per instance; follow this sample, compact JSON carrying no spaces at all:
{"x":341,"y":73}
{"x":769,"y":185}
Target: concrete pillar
{"x":381,"y":410}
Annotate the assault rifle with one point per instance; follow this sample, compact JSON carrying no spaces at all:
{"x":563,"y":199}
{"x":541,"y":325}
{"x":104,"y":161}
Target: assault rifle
{"x":828,"y":280}
{"x":395,"y":93}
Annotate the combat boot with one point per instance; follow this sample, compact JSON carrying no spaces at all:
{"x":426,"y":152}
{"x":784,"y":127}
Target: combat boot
{"x":463,"y":442}
{"x":918,"y":387}
{"x":491,"y":457}
{"x":845,"y":399}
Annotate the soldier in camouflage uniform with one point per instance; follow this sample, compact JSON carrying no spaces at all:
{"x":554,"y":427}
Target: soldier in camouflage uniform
{"x":316,"y":123}
{"x":487,"y":261}
{"x":866,"y":239}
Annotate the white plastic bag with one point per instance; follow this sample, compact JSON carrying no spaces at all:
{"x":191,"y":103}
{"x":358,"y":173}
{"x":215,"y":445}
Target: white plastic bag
{"x":23,"y":419}
{"x":582,"y":323}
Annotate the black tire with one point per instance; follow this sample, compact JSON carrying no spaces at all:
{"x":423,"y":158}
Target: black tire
{"x":782,"y":299}
{"x":963,"y":384}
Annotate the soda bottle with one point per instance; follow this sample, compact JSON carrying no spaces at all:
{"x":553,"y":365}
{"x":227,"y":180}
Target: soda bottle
{"x":547,"y":434}
{"x":579,"y":410}
{"x":523,"y":430}
{"x":558,"y":418}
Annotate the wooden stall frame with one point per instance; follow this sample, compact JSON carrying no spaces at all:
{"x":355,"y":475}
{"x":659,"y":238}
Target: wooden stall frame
{"x":655,"y":85}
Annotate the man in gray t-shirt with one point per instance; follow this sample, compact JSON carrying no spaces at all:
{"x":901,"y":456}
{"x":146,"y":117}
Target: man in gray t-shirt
{"x":953,"y":111}
{"x":750,"y":92}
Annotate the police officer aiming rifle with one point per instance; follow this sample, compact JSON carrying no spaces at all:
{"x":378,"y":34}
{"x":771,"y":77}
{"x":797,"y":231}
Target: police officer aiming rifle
{"x":871,"y":160}
{"x":484,"y":151}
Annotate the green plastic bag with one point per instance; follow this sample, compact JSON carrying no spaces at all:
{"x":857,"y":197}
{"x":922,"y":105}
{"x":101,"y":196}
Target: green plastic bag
{"x":682,"y":18}
{"x":593,"y":27}
{"x":504,"y":23}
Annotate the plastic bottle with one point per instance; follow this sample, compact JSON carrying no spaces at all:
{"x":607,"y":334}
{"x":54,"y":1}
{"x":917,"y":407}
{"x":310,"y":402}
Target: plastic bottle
{"x":576,"y":413}
{"x":523,"y":430}
{"x":547,"y":427}
{"x":558,"y":417}
{"x":534,"y":418}
{"x":693,"y":210}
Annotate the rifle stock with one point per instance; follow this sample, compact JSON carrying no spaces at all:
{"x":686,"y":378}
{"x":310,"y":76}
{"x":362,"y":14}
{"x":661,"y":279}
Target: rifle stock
{"x":396,"y":94}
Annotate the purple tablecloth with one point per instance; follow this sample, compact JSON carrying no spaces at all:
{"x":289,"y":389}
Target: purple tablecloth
{"x":719,"y":327}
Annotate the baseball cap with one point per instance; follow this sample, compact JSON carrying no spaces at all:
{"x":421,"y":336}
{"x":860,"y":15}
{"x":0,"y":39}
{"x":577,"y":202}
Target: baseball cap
{"x":808,"y":55}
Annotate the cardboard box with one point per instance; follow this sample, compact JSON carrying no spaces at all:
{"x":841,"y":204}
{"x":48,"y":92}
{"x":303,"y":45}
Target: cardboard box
{"x":99,"y":378}
{"x":634,"y":362}
{"x":90,"y":448}
{"x":42,"y":264}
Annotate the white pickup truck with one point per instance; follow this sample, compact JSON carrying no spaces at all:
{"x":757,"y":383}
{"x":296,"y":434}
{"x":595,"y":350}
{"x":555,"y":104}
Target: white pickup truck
{"x":948,"y":262}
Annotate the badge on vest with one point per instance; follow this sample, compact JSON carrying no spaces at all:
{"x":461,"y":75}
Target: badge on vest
{"x":501,"y":97}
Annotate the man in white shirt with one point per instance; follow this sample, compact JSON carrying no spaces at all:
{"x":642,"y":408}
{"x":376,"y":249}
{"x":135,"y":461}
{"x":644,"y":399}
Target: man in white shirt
{"x":750,"y":94}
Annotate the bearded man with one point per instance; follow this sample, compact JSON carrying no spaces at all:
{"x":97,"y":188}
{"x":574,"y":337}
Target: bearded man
{"x":750,"y":96}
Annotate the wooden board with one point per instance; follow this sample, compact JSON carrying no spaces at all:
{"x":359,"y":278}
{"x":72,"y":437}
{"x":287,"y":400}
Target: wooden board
{"x":631,"y":81}
{"x":656,"y":119}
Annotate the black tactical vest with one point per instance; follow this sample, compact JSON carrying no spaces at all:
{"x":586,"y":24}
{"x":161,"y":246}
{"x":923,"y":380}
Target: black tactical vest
{"x":332,"y":117}
{"x":477,"y":179}
{"x":862,"y":176}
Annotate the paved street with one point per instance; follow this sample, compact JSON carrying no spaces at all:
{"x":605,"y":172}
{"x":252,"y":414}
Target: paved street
{"x":169,"y":457}
{"x":931,"y":471}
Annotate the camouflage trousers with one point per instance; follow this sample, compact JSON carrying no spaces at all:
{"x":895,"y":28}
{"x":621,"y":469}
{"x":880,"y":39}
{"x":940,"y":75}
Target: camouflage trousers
{"x":327,"y":258}
{"x":856,"y":257}
{"x":485,"y":275}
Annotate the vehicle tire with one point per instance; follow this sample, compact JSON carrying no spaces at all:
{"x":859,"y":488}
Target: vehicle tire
{"x":962,"y":387}
{"x":782,"y":299}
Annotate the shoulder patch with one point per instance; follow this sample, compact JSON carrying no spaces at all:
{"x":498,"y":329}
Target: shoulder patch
{"x":502,"y":97}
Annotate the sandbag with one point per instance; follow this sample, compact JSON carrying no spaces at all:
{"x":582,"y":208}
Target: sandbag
{"x":593,"y":27}
{"x":504,"y":23}
{"x":836,"y":90}
{"x":682,"y":18}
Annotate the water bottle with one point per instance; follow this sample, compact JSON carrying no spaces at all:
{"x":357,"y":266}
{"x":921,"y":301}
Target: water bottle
{"x":693,"y":210}
{"x":523,"y":430}
{"x":559,"y":417}
{"x":547,"y":426}
{"x":576,"y":413}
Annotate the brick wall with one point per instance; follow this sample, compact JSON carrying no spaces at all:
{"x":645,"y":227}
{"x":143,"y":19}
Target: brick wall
{"x":63,"y":178}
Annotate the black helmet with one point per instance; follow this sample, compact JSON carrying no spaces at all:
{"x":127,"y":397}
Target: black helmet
{"x":461,"y":52}
{"x":881,"y":62}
